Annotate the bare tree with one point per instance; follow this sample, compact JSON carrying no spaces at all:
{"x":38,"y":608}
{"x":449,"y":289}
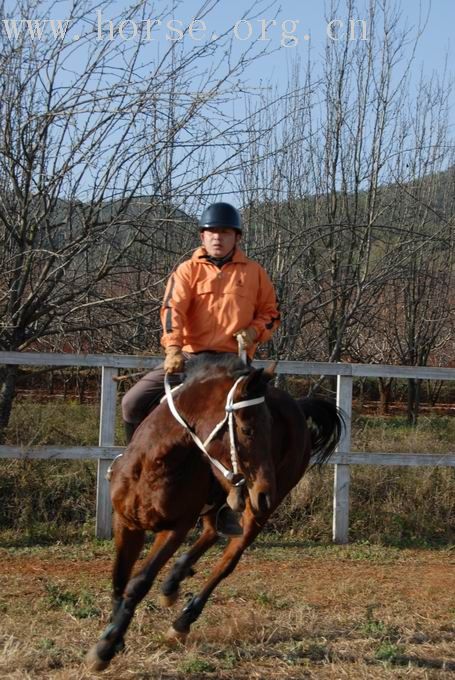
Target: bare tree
{"x":103,"y":154}
{"x":324,"y":192}
{"x":414,"y":315}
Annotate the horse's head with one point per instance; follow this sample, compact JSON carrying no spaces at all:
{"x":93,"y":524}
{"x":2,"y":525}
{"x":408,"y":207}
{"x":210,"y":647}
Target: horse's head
{"x":253,"y":432}
{"x":223,"y":392}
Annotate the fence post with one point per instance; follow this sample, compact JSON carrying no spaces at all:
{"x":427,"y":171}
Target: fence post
{"x":106,"y":438}
{"x":340,"y":529}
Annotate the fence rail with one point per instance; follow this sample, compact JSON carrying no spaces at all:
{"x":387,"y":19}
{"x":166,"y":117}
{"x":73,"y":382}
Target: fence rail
{"x":342,"y":460}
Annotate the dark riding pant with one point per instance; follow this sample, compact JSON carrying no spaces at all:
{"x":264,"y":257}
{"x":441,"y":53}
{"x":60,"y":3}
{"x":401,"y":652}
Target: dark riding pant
{"x":145,"y":395}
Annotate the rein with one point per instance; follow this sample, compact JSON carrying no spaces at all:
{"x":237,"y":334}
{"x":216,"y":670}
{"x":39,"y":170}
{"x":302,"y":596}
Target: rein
{"x":229,"y":417}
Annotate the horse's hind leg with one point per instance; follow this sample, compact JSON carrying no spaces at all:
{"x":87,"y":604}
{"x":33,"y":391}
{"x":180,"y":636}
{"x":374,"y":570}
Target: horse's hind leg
{"x":183,"y":566}
{"x":164,"y":546}
{"x":225,"y":566}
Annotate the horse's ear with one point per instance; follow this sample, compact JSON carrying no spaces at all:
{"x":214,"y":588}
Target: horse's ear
{"x":256,"y":382}
{"x":241,"y":371}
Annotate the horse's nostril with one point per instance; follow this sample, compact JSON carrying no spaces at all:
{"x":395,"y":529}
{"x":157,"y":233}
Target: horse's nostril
{"x":264,"y":502}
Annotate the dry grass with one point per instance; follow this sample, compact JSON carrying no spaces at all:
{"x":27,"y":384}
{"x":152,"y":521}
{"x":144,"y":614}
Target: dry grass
{"x":433,"y":434}
{"x":287,"y":612}
{"x":391,"y":505}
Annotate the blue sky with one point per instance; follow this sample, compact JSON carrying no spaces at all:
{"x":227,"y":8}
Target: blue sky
{"x":435,"y":43}
{"x":310,"y":35}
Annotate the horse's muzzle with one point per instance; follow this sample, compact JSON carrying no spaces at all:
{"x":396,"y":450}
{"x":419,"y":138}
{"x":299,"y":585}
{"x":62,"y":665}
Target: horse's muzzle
{"x":261,"y":503}
{"x":264,"y":502}
{"x":236,"y":499}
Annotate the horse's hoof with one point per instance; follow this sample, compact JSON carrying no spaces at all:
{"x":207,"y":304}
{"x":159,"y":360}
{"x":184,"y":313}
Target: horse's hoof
{"x":174,"y":637}
{"x":168,"y":600}
{"x":94,"y":662}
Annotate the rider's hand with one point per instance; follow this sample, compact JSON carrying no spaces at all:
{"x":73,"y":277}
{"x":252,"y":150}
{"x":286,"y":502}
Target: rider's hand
{"x":248,"y":336}
{"x":174,"y":361}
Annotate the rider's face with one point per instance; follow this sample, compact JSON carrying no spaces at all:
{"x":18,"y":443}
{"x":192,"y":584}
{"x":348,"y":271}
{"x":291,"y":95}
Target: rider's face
{"x":219,"y":242}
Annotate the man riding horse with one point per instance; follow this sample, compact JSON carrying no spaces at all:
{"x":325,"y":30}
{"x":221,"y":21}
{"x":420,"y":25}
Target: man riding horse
{"x":210,"y":300}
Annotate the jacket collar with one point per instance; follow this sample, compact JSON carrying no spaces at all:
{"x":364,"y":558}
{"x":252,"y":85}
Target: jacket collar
{"x":238,"y":256}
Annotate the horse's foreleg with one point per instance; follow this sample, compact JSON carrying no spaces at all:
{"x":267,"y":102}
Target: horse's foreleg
{"x":164,"y":546}
{"x":183,"y":566}
{"x":128,"y":544}
{"x":225,"y":566}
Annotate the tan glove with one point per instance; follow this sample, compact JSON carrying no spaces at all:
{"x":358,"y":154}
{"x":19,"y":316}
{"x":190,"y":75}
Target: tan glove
{"x":248,"y":336}
{"x":174,"y":361}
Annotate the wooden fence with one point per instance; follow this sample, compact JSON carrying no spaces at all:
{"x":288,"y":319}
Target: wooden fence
{"x":342,"y":460}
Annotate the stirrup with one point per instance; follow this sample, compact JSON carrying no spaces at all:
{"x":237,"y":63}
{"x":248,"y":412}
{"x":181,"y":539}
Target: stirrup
{"x":227,"y":522}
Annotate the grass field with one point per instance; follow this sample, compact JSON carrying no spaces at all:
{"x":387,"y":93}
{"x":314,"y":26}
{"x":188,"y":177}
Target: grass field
{"x":291,"y":610}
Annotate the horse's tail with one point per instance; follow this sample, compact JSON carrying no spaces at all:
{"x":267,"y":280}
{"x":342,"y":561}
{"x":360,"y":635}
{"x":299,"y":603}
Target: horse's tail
{"x":325,"y":422}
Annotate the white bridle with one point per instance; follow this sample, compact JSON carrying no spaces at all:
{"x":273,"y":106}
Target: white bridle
{"x":229,"y":417}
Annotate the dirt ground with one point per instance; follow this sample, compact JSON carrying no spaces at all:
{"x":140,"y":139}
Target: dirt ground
{"x":289,"y":611}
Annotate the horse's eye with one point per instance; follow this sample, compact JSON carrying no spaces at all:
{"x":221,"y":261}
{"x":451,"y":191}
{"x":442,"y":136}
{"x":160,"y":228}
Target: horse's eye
{"x":248,"y":431}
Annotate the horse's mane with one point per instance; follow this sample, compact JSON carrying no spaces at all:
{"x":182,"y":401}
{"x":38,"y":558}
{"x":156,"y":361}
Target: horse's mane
{"x":204,"y":365}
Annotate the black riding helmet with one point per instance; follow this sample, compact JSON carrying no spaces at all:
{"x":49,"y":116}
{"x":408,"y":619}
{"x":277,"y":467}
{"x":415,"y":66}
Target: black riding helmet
{"x":219,"y":215}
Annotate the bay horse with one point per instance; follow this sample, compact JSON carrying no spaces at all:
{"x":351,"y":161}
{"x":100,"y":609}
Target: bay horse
{"x":164,"y":481}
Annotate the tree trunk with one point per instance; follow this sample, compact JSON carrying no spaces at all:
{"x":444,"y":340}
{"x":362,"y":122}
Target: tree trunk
{"x":8,"y":379}
{"x":413,"y":401}
{"x":50,"y":382}
{"x":81,"y":383}
{"x":434,"y":390}
{"x":385,"y":392}
{"x":361,"y":395}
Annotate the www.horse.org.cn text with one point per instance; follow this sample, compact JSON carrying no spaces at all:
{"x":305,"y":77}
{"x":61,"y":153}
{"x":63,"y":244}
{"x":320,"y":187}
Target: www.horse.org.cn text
{"x":288,"y":32}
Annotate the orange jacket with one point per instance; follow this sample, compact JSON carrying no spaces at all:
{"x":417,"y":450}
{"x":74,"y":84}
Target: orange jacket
{"x":204,"y":306}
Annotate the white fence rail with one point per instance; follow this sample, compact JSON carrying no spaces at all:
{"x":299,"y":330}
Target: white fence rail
{"x":343,"y":459}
